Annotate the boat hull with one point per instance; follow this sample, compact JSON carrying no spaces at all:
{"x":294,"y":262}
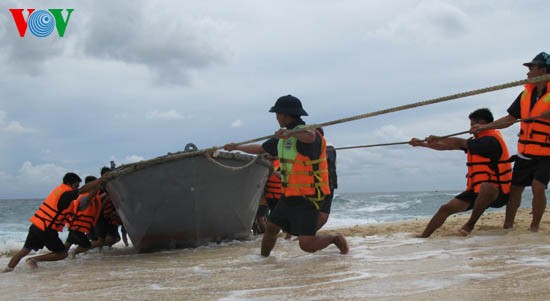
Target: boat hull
{"x":190,"y":201}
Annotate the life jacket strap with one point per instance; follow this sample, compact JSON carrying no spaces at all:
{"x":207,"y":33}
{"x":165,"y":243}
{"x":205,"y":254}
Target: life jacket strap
{"x":308,"y":162}
{"x":312,"y":185}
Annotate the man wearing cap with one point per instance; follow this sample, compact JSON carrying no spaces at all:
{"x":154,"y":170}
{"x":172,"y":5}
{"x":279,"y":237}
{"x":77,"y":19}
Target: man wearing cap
{"x":532,"y":167}
{"x":304,"y":177}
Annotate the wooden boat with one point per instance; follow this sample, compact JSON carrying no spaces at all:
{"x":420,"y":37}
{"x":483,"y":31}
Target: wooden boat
{"x":189,"y":198}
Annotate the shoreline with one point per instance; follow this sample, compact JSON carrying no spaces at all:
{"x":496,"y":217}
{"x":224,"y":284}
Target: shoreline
{"x":491,"y":222}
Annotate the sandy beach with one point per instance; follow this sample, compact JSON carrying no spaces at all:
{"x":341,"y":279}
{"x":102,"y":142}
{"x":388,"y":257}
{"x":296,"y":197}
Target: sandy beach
{"x":386,"y":262}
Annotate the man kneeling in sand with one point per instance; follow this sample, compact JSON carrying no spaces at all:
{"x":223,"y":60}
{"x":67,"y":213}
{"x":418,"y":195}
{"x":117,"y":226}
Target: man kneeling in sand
{"x":489,"y":173}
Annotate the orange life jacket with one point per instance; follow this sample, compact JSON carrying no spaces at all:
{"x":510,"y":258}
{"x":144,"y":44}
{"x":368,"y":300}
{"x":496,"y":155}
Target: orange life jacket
{"x":85,"y":220}
{"x":534,"y":137}
{"x":273,"y":189}
{"x":47,"y":216}
{"x":110,"y":213}
{"x":301,"y":175}
{"x":482,"y":169}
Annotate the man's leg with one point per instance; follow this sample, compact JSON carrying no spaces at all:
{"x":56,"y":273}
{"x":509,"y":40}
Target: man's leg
{"x":453,"y":206}
{"x":512,"y":206}
{"x":270,"y":238}
{"x":487,"y":194}
{"x":124,"y":235}
{"x":15,"y":259}
{"x":539,"y":204}
{"x":323,"y":218}
{"x":46,"y":257}
{"x":80,"y":249}
{"x":318,"y":242}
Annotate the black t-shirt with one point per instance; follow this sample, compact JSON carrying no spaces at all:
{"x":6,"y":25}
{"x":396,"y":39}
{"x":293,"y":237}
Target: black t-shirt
{"x":515,"y":108}
{"x":270,"y":146}
{"x":486,"y":146}
{"x":66,"y":199}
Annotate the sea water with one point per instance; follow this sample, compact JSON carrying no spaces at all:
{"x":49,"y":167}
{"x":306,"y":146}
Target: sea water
{"x":348,"y":209}
{"x":487,"y":265}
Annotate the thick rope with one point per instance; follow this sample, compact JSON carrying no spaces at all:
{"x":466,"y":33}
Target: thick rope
{"x":396,"y":143}
{"x":533,"y":80}
{"x":143,"y":164}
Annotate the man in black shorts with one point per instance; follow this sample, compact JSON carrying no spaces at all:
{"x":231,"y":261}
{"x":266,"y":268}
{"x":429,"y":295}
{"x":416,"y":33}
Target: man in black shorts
{"x":50,"y":219}
{"x":85,"y":213}
{"x":489,"y":173}
{"x":532,"y":167}
{"x":304,"y":178}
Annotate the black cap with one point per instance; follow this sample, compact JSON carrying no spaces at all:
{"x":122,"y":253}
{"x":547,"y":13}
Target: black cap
{"x":288,"y":105}
{"x":542,"y":58}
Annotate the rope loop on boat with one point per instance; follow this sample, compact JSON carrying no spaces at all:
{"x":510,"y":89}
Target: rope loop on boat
{"x":208,"y":156}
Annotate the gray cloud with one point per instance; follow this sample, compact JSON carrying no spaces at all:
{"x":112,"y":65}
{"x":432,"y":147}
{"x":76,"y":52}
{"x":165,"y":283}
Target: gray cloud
{"x":225,"y":64}
{"x":169,"y":43}
{"x":428,"y":21}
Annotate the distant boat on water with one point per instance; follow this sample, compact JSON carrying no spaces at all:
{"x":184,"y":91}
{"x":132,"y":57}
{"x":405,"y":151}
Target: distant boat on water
{"x":189,"y":198}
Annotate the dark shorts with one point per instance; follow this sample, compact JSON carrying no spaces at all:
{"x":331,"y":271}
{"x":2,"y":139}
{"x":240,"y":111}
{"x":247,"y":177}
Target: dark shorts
{"x":527,"y":170}
{"x":271,"y":203}
{"x":38,"y":239}
{"x":324,"y":205}
{"x":78,"y":238}
{"x":262,"y":210}
{"x":296,"y":216}
{"x":100,"y":228}
{"x":470,"y":196}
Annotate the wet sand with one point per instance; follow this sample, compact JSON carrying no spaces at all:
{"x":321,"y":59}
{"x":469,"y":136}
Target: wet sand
{"x":386,"y":262}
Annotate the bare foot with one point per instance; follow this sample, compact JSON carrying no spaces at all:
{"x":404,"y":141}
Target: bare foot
{"x":32,"y":263}
{"x":464,"y":231}
{"x":534,"y":229}
{"x":7,"y":270}
{"x":342,"y":244}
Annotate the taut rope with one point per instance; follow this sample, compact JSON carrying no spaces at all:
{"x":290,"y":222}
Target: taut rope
{"x":174,"y":156}
{"x":495,"y":125}
{"x":533,"y":80}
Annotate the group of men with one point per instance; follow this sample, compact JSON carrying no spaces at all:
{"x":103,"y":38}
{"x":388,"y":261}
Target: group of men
{"x":299,"y":190}
{"x":88,"y":214}
{"x":491,"y":181}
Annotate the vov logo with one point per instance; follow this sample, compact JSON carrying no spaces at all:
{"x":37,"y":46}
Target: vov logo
{"x":41,"y":22}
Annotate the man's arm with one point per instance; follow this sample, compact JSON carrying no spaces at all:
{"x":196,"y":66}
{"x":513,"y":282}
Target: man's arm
{"x":438,"y":143}
{"x":305,"y":135}
{"x":247,"y":148}
{"x":500,"y":123}
{"x":94,"y":185}
{"x":66,"y":199}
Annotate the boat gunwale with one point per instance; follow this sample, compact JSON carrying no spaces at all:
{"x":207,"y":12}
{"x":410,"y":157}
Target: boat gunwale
{"x":213,"y":154}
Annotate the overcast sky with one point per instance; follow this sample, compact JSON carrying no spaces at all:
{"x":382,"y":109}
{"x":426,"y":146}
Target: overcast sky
{"x":134,"y":80}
